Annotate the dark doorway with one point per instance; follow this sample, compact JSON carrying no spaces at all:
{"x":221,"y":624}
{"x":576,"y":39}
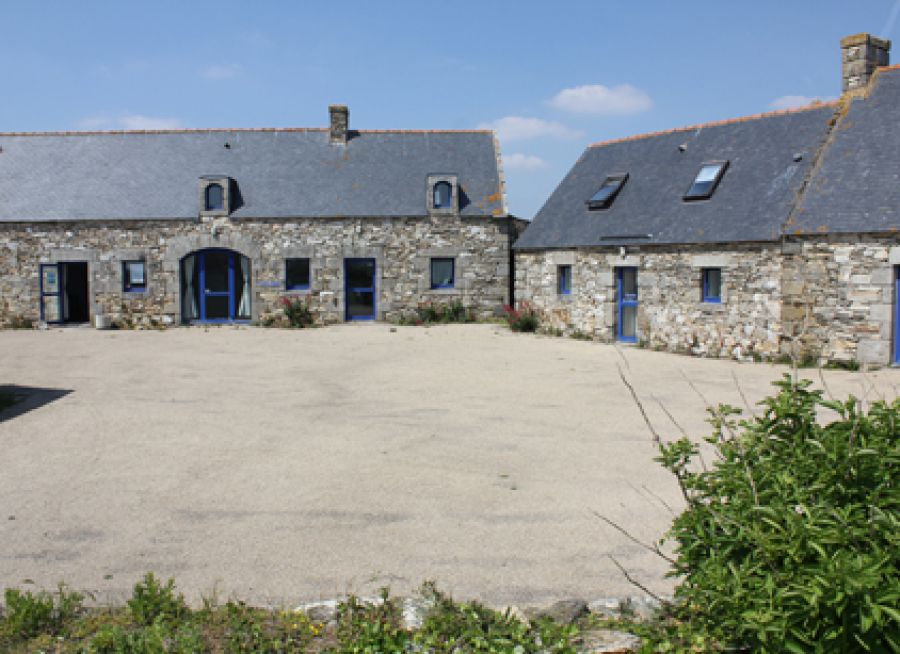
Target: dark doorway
{"x":64,"y":292}
{"x":359,"y":285}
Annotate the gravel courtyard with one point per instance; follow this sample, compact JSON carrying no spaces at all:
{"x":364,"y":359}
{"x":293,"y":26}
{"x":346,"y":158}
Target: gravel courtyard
{"x":280,"y":466}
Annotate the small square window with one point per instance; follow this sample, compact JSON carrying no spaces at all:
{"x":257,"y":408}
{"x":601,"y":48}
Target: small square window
{"x":706,"y":180}
{"x":607,"y":192}
{"x":296,"y":274}
{"x":442,"y":273}
{"x":712,"y":285}
{"x":134,"y":276}
{"x":564,"y":280}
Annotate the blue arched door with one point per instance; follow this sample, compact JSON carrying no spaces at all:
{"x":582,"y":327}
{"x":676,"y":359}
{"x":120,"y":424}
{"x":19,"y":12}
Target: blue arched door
{"x":215,"y":287}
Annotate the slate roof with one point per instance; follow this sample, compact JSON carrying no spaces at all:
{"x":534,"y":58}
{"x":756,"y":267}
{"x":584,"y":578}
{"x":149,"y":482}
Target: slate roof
{"x":279,"y":173}
{"x":856,"y":187}
{"x":751,"y":203}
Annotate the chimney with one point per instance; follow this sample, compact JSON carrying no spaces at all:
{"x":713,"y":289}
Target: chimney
{"x":861,"y":54}
{"x":340,"y":118}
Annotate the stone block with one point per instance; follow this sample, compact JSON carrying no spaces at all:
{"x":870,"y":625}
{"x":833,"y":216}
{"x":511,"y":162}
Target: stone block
{"x":873,"y":351}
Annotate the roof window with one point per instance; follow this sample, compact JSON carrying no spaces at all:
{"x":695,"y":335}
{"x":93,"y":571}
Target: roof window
{"x":706,"y":181}
{"x":607,"y":192}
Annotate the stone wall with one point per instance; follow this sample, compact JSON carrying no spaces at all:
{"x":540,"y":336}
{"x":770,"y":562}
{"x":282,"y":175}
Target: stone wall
{"x":839,"y":297}
{"x":671,"y":313}
{"x":401,"y":246}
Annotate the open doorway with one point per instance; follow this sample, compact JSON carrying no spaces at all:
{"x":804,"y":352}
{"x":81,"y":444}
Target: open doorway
{"x":64,"y":293}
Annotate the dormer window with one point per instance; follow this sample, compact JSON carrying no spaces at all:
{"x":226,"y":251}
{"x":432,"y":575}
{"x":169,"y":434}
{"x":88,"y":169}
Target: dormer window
{"x":442,"y":194}
{"x":706,"y":181}
{"x":607,"y":192}
{"x":215,"y":197}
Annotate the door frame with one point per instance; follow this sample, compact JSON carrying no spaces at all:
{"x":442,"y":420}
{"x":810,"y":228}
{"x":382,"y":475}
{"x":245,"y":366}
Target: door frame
{"x":233,"y":269}
{"x":364,"y":289}
{"x":622,"y":302}
{"x":896,"y":358}
{"x":60,"y":292}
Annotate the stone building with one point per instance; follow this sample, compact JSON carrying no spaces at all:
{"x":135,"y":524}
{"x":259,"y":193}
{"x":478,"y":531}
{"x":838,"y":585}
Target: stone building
{"x":760,"y":237}
{"x":199,"y":226}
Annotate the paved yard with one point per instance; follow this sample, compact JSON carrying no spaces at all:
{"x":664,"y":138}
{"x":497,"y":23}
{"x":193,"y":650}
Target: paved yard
{"x":295,"y":465}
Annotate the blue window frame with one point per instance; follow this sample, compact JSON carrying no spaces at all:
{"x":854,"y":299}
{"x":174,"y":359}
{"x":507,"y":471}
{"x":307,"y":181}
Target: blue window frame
{"x":564,"y":280}
{"x":134,"y":276}
{"x":706,"y":180}
{"x":443,"y":272}
{"x":627,"y":296}
{"x":215,"y":197}
{"x":897,"y":315}
{"x":712,"y":285}
{"x":443,"y":195}
{"x":296,"y":274}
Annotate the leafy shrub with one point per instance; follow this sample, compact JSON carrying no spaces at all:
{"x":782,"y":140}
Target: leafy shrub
{"x":365,"y":628}
{"x":790,"y":541}
{"x":151,"y":601}
{"x":298,"y":312}
{"x":29,"y":614}
{"x":522,"y":319}
{"x":470,"y":627}
{"x":431,"y":313}
{"x":21,"y":322}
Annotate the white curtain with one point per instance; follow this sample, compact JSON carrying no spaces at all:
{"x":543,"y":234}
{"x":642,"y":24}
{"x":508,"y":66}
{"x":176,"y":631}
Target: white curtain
{"x":244,"y":308}
{"x":189,"y":301}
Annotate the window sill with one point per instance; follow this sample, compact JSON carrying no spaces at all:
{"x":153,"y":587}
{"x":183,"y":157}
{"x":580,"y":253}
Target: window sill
{"x":712,"y":307}
{"x":142,"y":291}
{"x":450,"y":290}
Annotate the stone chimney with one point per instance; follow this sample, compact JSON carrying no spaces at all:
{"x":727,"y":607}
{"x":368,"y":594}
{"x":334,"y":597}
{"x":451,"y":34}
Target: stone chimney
{"x":861,"y":54}
{"x":340,"y":119}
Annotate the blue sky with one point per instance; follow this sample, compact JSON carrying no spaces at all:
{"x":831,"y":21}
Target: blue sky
{"x":551,"y":77}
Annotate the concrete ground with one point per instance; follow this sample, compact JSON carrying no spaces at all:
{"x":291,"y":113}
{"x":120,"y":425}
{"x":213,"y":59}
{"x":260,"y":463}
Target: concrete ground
{"x":278,"y":466}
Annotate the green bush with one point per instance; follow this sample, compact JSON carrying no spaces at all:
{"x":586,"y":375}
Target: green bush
{"x":790,"y":541}
{"x":522,"y":319}
{"x":29,"y":614}
{"x":430,"y":313}
{"x":298,"y":312}
{"x":365,"y":628}
{"x":151,"y":601}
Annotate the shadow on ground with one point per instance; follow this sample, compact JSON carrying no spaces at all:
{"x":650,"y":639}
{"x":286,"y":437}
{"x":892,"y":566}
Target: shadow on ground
{"x":27,"y":398}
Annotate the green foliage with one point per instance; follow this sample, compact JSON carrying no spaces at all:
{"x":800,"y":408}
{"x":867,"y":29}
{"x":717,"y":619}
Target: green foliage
{"x":463,"y":627}
{"x":298,"y":312}
{"x":150,"y":601}
{"x":28,"y":614}
{"x":251,"y":630}
{"x":365,"y":628}
{"x":158,"y":638}
{"x":522,"y":319}
{"x":791,"y":540}
{"x":437,"y":313}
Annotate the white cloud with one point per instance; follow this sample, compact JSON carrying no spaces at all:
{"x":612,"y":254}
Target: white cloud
{"x":520,"y":128}
{"x":128,"y":121}
{"x":795,"y":101}
{"x":518,"y":161}
{"x":226,"y":71}
{"x":599,"y":99}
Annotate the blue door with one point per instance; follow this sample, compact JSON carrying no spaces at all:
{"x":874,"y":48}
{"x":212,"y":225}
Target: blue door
{"x":897,"y":315}
{"x":215,"y":287}
{"x":627,"y":296}
{"x":359,"y":287}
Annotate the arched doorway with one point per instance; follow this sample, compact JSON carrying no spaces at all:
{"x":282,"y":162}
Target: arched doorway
{"x":215,"y":286}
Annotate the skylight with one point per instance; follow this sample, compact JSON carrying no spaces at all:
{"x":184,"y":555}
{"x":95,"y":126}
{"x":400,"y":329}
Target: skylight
{"x":706,"y":181}
{"x":607,"y":192}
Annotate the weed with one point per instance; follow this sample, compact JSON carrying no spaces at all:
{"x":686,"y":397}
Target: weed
{"x":151,"y":601}
{"x":375,"y":628}
{"x":298,"y":312}
{"x":20,"y":322}
{"x":28,"y":614}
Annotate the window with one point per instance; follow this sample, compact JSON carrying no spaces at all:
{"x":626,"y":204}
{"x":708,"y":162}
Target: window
{"x":443,"y":195}
{"x":607,"y":192}
{"x":134,"y":276}
{"x":442,"y":273}
{"x":564,"y":280}
{"x":215,"y":197}
{"x":706,"y":181}
{"x":296,"y":274}
{"x":712,"y":285}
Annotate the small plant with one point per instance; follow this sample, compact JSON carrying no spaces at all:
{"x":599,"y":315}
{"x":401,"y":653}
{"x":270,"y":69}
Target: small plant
{"x":431,"y":313}
{"x":298,"y":312}
{"x":151,"y":601}
{"x":20,"y":322}
{"x":371,"y":628}
{"x":522,"y":319}
{"x":29,"y":614}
